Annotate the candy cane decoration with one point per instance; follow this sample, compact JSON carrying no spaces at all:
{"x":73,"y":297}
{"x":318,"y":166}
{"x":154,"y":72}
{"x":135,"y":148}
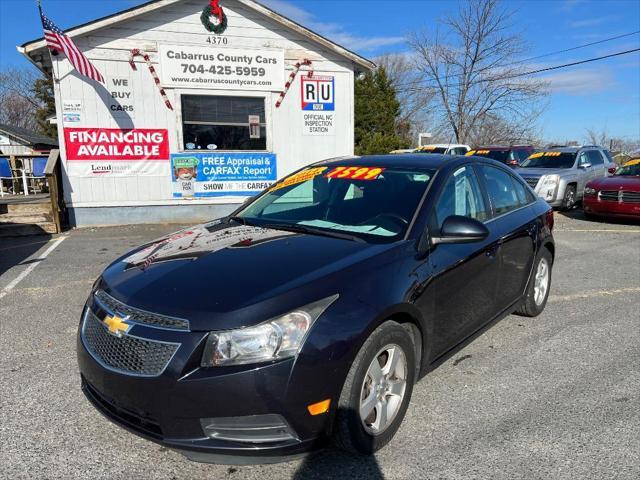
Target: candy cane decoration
{"x":292,"y":76}
{"x":137,"y":52}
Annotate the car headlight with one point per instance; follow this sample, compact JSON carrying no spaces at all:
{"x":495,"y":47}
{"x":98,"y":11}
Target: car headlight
{"x":550,"y":180}
{"x":281,"y":337}
{"x":590,"y":191}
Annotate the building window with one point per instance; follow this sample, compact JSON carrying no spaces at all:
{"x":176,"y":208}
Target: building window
{"x":222,"y":123}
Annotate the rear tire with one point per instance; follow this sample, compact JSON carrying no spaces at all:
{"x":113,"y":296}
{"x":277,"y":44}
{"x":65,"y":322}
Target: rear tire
{"x":363,"y":390}
{"x":537,"y":294}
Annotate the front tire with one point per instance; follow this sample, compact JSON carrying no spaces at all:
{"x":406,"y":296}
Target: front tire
{"x":377,"y":391}
{"x":537,"y":294}
{"x":569,"y":200}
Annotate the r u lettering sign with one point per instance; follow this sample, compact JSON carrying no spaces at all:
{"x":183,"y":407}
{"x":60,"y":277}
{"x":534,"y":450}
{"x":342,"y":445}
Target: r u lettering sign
{"x":318,"y":93}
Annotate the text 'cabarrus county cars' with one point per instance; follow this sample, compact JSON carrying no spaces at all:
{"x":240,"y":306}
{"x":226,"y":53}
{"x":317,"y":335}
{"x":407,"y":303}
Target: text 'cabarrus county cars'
{"x":308,"y":314}
{"x":616,"y":196}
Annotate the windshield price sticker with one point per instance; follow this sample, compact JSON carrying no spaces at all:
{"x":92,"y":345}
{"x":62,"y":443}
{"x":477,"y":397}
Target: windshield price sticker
{"x":300,"y":177}
{"x":476,"y":152}
{"x":355,"y":173}
{"x":545,"y":154}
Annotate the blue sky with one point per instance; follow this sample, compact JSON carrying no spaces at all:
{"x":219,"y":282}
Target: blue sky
{"x":598,"y":95}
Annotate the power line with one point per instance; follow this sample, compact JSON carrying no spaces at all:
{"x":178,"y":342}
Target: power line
{"x":544,"y":55}
{"x":577,"y":47}
{"x":532,"y":72}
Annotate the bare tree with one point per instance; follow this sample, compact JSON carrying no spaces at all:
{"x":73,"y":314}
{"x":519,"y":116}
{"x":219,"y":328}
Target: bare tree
{"x":473,"y":68}
{"x":415,"y":114}
{"x":18,"y":103}
{"x":598,"y":137}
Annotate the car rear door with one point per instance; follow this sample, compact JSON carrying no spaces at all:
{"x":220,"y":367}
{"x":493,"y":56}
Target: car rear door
{"x":463,"y":277}
{"x":597,"y":164}
{"x":517,"y":227}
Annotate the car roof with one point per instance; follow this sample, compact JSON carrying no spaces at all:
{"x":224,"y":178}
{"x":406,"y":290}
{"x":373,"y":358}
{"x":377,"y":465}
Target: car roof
{"x":431,"y":161}
{"x":444,"y":145}
{"x":562,"y":149}
{"x":503,"y":147}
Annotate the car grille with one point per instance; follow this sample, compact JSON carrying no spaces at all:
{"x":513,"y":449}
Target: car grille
{"x":136,"y":315}
{"x":532,"y":181}
{"x":125,"y":354}
{"x":609,"y":195}
{"x":630,"y":197}
{"x":143,"y":424}
{"x":620,"y":196}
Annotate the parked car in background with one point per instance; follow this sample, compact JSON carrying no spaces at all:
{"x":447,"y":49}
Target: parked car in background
{"x":402,"y":150}
{"x":616,"y":196}
{"x":512,"y":155}
{"x":310,"y":312}
{"x":559,"y":174}
{"x":444,"y":148}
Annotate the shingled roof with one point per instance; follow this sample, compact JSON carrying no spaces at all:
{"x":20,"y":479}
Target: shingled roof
{"x":28,"y":137}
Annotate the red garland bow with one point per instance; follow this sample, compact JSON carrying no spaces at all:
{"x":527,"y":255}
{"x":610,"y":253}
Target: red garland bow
{"x":216,"y":9}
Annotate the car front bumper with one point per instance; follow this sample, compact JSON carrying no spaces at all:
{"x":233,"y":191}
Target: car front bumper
{"x":593,"y":205}
{"x":168,"y":408}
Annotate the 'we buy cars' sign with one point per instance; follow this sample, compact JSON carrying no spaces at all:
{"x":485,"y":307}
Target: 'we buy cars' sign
{"x":93,"y":144}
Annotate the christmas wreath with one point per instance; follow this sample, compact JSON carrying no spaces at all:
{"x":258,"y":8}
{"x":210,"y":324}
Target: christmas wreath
{"x":214,"y":10}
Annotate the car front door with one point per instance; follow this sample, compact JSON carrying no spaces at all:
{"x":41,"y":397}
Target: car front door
{"x":517,"y":228}
{"x":462,"y":278}
{"x":585,"y":172}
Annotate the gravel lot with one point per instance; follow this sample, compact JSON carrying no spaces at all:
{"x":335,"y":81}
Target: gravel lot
{"x":553,"y":397}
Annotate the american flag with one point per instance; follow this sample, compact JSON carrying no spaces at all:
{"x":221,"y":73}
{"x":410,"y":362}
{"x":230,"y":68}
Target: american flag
{"x":58,"y":41}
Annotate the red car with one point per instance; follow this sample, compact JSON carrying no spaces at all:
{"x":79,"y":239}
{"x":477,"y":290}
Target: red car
{"x":617,"y":196}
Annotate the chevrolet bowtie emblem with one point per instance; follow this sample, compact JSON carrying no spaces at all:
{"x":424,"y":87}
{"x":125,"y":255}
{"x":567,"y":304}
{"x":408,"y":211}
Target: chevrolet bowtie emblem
{"x":116,"y":325}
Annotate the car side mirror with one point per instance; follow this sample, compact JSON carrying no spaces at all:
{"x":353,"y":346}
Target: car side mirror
{"x":458,"y":229}
{"x":584,"y":165}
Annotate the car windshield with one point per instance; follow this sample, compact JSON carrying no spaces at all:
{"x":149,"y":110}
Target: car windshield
{"x":499,"y":155}
{"x":374,"y":204}
{"x":632,"y":170}
{"x":550,"y":160}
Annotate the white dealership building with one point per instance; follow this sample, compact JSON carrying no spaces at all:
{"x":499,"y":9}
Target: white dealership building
{"x":215,"y":130}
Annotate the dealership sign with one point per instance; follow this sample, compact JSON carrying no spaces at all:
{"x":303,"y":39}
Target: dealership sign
{"x":227,"y":68}
{"x":220,"y":174}
{"x":115,"y":152}
{"x":90,"y":144}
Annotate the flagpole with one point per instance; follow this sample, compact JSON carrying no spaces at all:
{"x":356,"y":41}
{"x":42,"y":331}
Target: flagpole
{"x":54,"y":65}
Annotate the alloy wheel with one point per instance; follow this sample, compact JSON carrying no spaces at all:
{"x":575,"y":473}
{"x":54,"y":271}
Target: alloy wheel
{"x":541,"y":282}
{"x":383,"y":389}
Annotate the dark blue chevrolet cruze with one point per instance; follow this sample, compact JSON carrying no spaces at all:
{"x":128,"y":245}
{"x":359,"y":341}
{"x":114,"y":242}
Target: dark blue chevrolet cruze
{"x":309,"y":314}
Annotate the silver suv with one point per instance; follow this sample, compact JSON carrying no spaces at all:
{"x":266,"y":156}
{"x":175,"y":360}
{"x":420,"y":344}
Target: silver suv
{"x":559,"y":174}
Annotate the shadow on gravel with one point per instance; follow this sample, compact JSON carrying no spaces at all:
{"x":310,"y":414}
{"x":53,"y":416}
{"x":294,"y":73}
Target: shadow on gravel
{"x":16,"y":250}
{"x":332,"y":463}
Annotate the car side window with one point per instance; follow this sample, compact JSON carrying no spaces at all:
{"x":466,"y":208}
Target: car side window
{"x":607,"y":154}
{"x":595,"y":157}
{"x":461,"y":195}
{"x":521,"y":192}
{"x":583,"y":159}
{"x":501,"y":189}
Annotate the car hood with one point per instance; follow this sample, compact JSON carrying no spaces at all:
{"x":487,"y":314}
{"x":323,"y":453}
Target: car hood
{"x":619,"y":182}
{"x":538,"y":172}
{"x":222,"y":275}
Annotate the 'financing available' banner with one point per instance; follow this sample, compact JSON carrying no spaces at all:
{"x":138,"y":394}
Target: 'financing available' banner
{"x":115,"y":152}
